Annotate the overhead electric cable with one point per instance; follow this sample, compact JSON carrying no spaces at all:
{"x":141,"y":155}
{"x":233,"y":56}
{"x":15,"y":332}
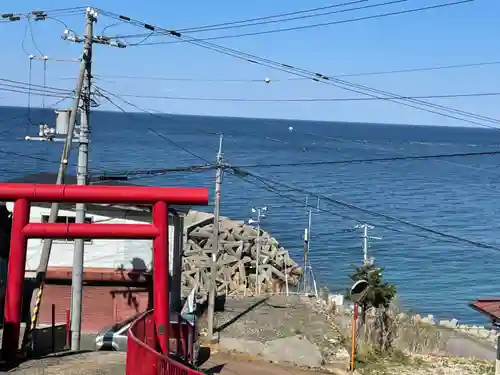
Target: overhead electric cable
{"x":134,"y":172}
{"x":268,"y":187}
{"x":346,"y":85}
{"x":294,"y":100}
{"x":367,"y":211}
{"x":52,"y":95}
{"x":106,"y":95}
{"x":29,"y":84}
{"x":261,"y":80}
{"x":367,"y":145}
{"x":373,"y":160}
{"x":148,"y":173}
{"x":302,"y":27}
{"x":267,"y":18}
{"x":11,"y":153}
{"x":270,"y":19}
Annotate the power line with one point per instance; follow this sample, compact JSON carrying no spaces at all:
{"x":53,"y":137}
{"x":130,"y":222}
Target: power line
{"x":367,"y":211}
{"x":130,"y":174}
{"x":232,"y":24}
{"x":106,"y":95}
{"x":266,"y":20}
{"x":294,"y":100}
{"x":28,"y":156}
{"x":391,"y":151}
{"x":59,"y":96}
{"x":268,"y":187}
{"x":34,"y":86}
{"x":318,"y":77}
{"x":261,"y":80}
{"x":382,"y":15}
{"x":148,"y":173}
{"x":372,"y":160}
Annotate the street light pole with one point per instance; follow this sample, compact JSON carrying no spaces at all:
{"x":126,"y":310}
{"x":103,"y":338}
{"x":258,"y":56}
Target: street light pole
{"x":261,"y":213}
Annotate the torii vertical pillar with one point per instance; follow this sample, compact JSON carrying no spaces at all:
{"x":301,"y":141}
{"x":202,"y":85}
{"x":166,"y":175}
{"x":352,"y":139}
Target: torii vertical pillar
{"x":15,"y":275}
{"x":23,"y":194}
{"x":160,"y":275}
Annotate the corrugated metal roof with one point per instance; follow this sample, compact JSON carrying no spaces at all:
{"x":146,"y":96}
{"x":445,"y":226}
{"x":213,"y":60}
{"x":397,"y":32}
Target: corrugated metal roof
{"x":488,"y":306}
{"x":50,"y":178}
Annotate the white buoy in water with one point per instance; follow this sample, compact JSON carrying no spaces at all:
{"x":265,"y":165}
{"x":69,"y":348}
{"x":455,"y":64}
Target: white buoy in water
{"x":290,"y":128}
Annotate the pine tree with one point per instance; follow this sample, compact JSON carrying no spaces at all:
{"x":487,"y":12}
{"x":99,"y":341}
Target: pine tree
{"x":379,"y":296}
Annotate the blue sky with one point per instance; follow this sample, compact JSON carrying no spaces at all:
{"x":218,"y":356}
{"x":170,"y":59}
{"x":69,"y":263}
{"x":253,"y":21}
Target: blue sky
{"x":460,"y":34}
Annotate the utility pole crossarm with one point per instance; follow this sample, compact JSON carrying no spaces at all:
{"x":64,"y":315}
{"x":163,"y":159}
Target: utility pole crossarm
{"x":366,"y":246}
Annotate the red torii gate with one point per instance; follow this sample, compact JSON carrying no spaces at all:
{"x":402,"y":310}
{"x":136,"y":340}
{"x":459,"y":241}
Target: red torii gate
{"x":22,"y":230}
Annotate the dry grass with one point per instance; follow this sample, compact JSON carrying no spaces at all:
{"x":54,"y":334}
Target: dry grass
{"x":426,"y":365}
{"x":407,"y":335}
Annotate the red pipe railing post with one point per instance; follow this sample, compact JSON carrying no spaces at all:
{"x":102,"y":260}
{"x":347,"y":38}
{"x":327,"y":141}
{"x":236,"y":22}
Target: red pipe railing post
{"x":15,"y":279}
{"x":161,"y":275}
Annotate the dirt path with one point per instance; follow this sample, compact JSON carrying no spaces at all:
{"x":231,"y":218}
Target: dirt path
{"x":462,"y":346}
{"x":93,"y":363}
{"x":222,"y":363}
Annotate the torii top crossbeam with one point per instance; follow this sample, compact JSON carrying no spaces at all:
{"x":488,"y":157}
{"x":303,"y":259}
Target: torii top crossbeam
{"x":103,"y":194}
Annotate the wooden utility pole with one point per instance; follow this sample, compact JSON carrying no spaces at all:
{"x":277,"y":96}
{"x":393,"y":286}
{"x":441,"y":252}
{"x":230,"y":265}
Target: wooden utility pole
{"x":212,"y":293}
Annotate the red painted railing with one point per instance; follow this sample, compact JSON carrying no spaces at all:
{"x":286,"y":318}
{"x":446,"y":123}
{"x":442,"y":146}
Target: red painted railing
{"x":142,"y":357}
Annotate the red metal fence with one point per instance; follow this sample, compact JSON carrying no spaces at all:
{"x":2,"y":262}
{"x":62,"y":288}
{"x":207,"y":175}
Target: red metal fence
{"x":142,"y":357}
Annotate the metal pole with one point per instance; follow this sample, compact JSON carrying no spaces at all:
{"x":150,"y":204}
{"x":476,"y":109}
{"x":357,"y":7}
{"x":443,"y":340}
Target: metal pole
{"x":82,"y":172}
{"x":307,"y":238}
{"x":213,"y":274}
{"x":54,"y":210}
{"x":497,"y":361}
{"x":257,"y":275}
{"x":352,"y":362}
{"x":365,"y":244}
{"x":286,"y":275}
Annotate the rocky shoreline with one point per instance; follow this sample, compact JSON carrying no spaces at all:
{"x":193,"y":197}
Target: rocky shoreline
{"x":473,"y":341}
{"x":479,"y":332}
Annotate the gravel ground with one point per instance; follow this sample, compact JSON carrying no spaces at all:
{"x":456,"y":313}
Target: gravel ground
{"x":92,"y":363}
{"x":267,"y":319}
{"x":434,"y":366}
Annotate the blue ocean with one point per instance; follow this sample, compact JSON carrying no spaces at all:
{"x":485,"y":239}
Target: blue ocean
{"x":457,"y":196}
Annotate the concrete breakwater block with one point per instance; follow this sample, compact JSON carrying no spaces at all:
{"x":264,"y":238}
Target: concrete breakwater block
{"x":241,"y":248}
